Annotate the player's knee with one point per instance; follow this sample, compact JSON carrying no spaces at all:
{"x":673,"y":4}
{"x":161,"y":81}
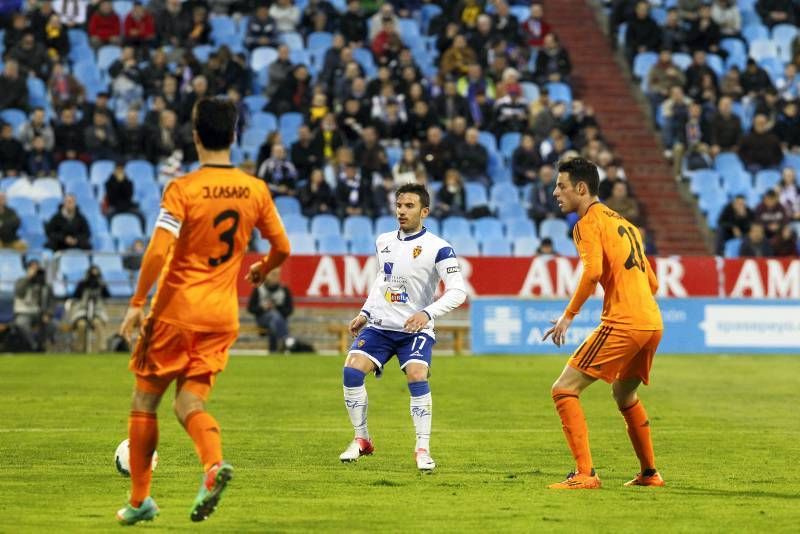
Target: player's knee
{"x":623,"y":397}
{"x":144,"y":401}
{"x":352,"y":377}
{"x":359,"y":362}
{"x":417,"y":374}
{"x":183,"y":406}
{"x":560,"y":387}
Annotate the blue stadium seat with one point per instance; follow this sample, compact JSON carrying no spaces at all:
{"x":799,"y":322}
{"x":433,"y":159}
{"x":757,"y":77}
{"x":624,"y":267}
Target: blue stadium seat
{"x":355,"y":225}
{"x":716,"y":64}
{"x":253,"y":138}
{"x":72,"y":169}
{"x":737,"y":182}
{"x":22,"y":205}
{"x":295,"y":223}
{"x":511,"y":210}
{"x":455,"y":226}
{"x":783,"y":35}
{"x":100,"y":171}
{"x":525,"y":246}
{"x":117,"y":279}
{"x":287,"y":205}
{"x":753,"y":32}
{"x":201,"y":52}
{"x":464,"y":245}
{"x":255,"y":103}
{"x":72,"y":265}
{"x":500,"y":247}
{"x":362,"y":245}
{"x":48,"y":207}
{"x":293,"y":40}
{"x":37,"y":93}
{"x":476,"y":195}
{"x":488,"y":140}
{"x":126,"y":226}
{"x":31,"y":223}
{"x":291,"y":120}
{"x":302,"y":244}
{"x":487,"y":229}
{"x":393,"y":155}
{"x":732,"y":247}
{"x":727,"y":161}
{"x":737,"y":53}
{"x":642,"y":64}
{"x":385,"y":223}
{"x":77,"y":37}
{"x":14,"y":117}
{"x":433,"y":225}
{"x":427,"y":13}
{"x":553,"y":228}
{"x":508,"y":143}
{"x":331,"y":244}
{"x":106,"y":55}
{"x":146,"y":193}
{"x":763,"y":48}
{"x":518,"y":228}
{"x":767,"y":179}
{"x":103,"y":243}
{"x":521,"y":13}
{"x":364,"y":58}
{"x":322,"y":40}
{"x":530,"y":91}
{"x":702,"y":180}
{"x":11,"y":270}
{"x":564,"y":246}
{"x":46,"y":188}
{"x":325,"y":224}
{"x":773,"y":66}
{"x":140,"y":169}
{"x":262,"y":57}
{"x":81,"y":54}
{"x":222,"y":25}
{"x":122,"y":8}
{"x":503,"y":193}
{"x":792,"y":160}
{"x":559,"y":92}
{"x":263,"y":120}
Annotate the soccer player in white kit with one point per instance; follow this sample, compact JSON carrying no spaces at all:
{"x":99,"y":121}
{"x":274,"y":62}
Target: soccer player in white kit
{"x":397,"y":318}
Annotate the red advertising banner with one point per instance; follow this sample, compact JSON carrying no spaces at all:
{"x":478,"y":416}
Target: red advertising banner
{"x":346,"y":280}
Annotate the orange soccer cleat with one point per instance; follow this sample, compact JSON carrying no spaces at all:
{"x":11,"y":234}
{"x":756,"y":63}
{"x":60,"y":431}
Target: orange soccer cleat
{"x":578,"y":481}
{"x":650,"y":477}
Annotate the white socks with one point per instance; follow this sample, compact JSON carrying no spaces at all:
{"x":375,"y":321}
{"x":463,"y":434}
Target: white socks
{"x":421,"y":413}
{"x":355,"y":399}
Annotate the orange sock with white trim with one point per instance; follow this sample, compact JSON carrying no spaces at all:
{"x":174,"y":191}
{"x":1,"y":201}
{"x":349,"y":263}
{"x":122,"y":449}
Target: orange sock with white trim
{"x":639,"y":432}
{"x":143,"y":437}
{"x":204,"y":431}
{"x":575,"y":430}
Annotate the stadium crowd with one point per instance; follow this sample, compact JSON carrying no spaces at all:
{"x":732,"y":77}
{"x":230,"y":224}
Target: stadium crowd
{"x":722,"y":78}
{"x":340,"y":102}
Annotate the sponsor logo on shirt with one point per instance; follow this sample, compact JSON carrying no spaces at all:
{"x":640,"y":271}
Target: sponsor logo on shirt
{"x":453,"y":269}
{"x":396,"y":295}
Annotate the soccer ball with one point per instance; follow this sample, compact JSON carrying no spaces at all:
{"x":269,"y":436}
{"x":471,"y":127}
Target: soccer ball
{"x":122,"y":459}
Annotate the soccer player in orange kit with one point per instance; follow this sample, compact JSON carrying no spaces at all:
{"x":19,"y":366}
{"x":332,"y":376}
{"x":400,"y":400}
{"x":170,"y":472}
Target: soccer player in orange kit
{"x":621,"y":350}
{"x":195,"y":254}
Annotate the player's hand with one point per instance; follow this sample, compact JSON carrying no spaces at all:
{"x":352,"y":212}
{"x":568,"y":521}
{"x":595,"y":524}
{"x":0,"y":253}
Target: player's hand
{"x":256,"y":276}
{"x":416,"y":322}
{"x":134,"y":317}
{"x":558,"y":330}
{"x":357,"y":324}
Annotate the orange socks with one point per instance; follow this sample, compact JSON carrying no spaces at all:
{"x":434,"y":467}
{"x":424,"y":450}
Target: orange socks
{"x":143,"y":436}
{"x":575,"y":429}
{"x":204,"y":431}
{"x":639,"y":432}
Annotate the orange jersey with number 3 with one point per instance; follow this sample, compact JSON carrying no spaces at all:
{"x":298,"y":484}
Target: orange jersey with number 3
{"x":611,"y":246}
{"x":212,"y":211}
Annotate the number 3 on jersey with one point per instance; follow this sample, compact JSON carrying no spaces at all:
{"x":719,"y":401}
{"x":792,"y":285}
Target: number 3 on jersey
{"x":226,"y":236}
{"x":636,"y":249}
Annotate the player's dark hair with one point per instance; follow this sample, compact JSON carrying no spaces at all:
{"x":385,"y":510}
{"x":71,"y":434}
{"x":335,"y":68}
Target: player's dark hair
{"x":214,"y":120}
{"x":581,"y":170}
{"x":417,"y":189}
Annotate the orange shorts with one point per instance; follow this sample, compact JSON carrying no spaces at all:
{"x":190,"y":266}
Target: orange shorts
{"x":165,"y":352}
{"x":612,"y":353}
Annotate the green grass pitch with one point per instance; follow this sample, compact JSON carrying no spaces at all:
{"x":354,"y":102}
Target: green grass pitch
{"x":726,"y":433}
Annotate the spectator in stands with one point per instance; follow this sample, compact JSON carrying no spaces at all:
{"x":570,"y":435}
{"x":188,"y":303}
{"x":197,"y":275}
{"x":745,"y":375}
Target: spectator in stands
{"x":154,"y":71}
{"x":473,"y":158}
{"x":480,"y":39}
{"x":648,"y":242}
{"x":12,"y":153}
{"x":704,"y":32}
{"x":132,"y":136}
{"x":673,"y":32}
{"x":261,"y":29}
{"x":542,"y":203}
{"x":674,"y":113}
{"x":370,"y":155}
{"x":294,"y":94}
{"x":64,"y":89}
{"x":317,"y":111}
{"x":662,"y":76}
{"x":451,"y":199}
{"x":279,"y":173}
{"x":689,"y":9}
{"x":785,"y":243}
{"x":55,"y":39}
{"x":383,"y":197}
{"x":545,"y":248}
{"x":69,"y":138}
{"x":789,"y":193}
{"x":172,"y":25}
{"x":726,"y":128}
{"x":552,"y":62}
{"x":386,"y":44}
{"x":788,"y":85}
{"x":285,"y":14}
{"x":31,"y":57}
{"x":87,"y":311}
{"x":406,"y":169}
{"x":33,"y":307}
{"x":271,"y":304}
{"x":310,"y":17}
{"x":621,"y":202}
{"x":353,"y":24}
{"x":9,"y":227}
{"x":693,"y":140}
{"x":100,"y":138}
{"x":375,"y":23}
{"x":16,"y":28}
{"x":200,"y":31}
{"x":316,"y":196}
{"x":731,"y":84}
{"x":139,"y":28}
{"x":73,"y":13}
{"x":126,"y":79}
{"x":40,"y":159}
{"x":36,"y":126}
{"x":104,"y":25}
{"x":525,"y":161}
{"x":697,"y":72}
{"x":505,"y":24}
{"x":536,"y":28}
{"x":771,"y":214}
{"x":188,"y":99}
{"x":734,"y":221}
{"x":755,"y":79}
{"x":643,"y":34}
{"x":119,"y":194}
{"x":456,"y":60}
{"x":450,"y":104}
{"x":774,"y":12}
{"x":728,"y":17}
{"x":761,"y":149}
{"x":132,"y":259}
{"x":279,"y":71}
{"x":353,"y":193}
{"x":422,"y":117}
{"x":755,"y":244}
{"x":306,"y":155}
{"x":68,"y":228}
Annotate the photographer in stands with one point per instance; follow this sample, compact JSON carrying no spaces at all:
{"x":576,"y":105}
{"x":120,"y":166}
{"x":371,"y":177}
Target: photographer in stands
{"x":33,"y":302}
{"x":87,"y":311}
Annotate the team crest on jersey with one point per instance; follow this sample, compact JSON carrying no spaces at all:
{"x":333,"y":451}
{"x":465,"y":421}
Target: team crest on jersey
{"x":361,"y":343}
{"x":396,"y":295}
{"x":417,"y":251}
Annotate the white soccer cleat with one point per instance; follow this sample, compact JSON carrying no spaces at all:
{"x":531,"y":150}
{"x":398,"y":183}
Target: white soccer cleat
{"x":424,"y":460}
{"x":358,"y":447}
